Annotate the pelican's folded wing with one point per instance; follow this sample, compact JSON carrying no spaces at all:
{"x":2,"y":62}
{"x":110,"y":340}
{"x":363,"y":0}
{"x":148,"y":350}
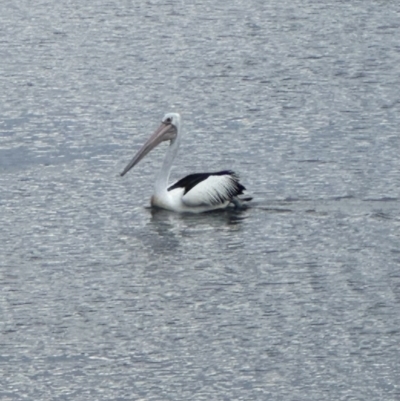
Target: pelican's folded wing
{"x":209,"y":188}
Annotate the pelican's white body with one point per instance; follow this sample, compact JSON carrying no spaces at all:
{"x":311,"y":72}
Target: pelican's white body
{"x":197,"y":200}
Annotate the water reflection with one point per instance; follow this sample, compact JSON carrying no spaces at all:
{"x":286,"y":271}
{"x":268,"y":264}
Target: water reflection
{"x":167,"y":229}
{"x":228,"y":217}
{"x":165,"y":233}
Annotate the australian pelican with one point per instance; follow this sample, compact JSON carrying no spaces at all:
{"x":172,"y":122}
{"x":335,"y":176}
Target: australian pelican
{"x":195,"y":193}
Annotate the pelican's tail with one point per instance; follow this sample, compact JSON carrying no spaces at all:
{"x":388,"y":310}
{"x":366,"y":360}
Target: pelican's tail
{"x":239,"y":202}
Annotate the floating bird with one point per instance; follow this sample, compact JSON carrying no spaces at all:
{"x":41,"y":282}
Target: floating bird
{"x":195,"y":193}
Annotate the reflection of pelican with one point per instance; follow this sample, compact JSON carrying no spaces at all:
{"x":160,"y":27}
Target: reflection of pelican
{"x":195,"y":193}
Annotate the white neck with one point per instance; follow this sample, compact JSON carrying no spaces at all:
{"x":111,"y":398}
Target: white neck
{"x":161,"y":184}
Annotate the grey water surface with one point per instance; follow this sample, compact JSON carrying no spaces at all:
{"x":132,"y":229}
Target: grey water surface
{"x":295,"y":298}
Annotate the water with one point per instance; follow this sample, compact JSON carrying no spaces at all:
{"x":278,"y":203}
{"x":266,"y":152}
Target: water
{"x":296,"y":298}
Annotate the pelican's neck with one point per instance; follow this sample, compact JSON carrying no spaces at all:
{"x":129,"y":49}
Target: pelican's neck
{"x":161,"y":184}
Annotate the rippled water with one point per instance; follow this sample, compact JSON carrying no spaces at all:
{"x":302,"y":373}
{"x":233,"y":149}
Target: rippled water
{"x":296,"y":298}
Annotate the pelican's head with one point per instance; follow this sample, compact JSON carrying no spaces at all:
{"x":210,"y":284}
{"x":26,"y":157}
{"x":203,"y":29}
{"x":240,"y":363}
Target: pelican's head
{"x":173,"y":119}
{"x":167,"y":131}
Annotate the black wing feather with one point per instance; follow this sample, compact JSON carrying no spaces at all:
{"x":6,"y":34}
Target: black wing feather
{"x":215,"y":198}
{"x":191,"y":180}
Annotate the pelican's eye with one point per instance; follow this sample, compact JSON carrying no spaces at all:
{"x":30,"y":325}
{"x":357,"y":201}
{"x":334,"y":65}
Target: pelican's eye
{"x":168,"y":120}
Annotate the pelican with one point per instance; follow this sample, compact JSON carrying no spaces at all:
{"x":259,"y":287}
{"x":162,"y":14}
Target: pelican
{"x":195,"y":193}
